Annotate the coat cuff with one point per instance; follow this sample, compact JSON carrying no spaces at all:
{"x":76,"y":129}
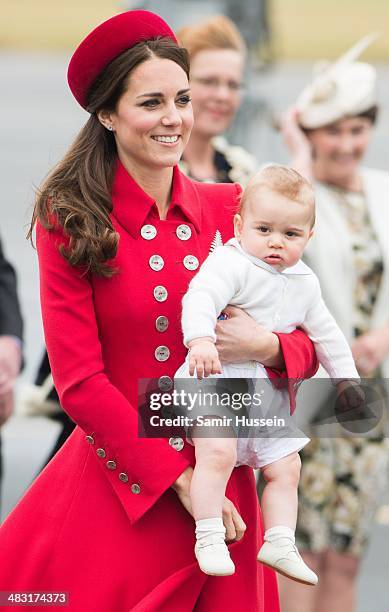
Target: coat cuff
{"x":300,"y":363}
{"x":133,"y":475}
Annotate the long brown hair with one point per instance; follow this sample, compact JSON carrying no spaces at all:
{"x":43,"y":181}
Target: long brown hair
{"x":77,"y":192}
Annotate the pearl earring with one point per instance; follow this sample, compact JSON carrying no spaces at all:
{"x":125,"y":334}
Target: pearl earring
{"x":110,"y":127}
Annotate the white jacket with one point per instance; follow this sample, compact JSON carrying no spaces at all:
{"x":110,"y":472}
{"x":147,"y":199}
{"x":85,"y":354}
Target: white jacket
{"x":280,"y":301}
{"x":329,"y":252}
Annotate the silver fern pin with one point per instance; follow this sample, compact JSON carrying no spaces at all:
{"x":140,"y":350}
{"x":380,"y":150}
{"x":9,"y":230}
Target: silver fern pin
{"x":216,"y":242}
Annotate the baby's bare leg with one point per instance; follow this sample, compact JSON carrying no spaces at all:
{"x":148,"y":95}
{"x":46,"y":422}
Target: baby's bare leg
{"x":279,"y":507}
{"x":279,"y":500}
{"x":215,"y":460}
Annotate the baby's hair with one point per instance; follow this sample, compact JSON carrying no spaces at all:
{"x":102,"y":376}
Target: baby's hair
{"x":283,"y":180}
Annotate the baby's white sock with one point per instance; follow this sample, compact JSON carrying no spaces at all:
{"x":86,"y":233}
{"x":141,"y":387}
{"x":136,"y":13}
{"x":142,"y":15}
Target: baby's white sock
{"x":205,"y":528}
{"x":279,"y":534}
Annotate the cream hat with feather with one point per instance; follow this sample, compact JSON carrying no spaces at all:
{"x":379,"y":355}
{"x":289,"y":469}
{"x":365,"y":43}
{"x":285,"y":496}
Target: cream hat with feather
{"x":343,"y":88}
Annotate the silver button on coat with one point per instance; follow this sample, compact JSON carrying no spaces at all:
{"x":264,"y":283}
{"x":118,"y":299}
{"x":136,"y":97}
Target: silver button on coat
{"x":165,"y":383}
{"x":100,"y":452}
{"x":168,"y":412}
{"x":135,"y":488}
{"x":161,"y":323}
{"x":160,"y":293}
{"x":90,"y":439}
{"x":183,"y":232}
{"x":123,"y":477}
{"x":176,"y":443}
{"x":191,"y":262}
{"x":148,"y":232}
{"x":156,"y":262}
{"x":162,"y":353}
{"x":111,"y":465}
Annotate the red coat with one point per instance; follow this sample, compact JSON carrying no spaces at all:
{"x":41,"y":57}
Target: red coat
{"x":101,"y":521}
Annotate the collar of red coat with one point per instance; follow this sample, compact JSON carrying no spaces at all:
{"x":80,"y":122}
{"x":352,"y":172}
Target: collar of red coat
{"x":132,"y":206}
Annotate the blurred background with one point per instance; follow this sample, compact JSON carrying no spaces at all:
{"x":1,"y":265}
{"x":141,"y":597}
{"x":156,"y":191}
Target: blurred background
{"x":40,"y":118}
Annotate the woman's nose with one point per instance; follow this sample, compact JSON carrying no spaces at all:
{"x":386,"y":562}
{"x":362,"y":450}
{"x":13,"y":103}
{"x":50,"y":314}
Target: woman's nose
{"x":172,"y":116}
{"x":346,"y":145}
{"x":222,"y":91}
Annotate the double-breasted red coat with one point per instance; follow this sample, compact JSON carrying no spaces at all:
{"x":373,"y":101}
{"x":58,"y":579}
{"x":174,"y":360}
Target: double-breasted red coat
{"x":101,"y":522}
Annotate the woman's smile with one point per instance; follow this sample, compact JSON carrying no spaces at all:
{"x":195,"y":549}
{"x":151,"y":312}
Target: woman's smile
{"x":169,"y":141}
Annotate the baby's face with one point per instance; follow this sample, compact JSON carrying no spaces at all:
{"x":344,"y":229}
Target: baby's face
{"x":274,"y":228}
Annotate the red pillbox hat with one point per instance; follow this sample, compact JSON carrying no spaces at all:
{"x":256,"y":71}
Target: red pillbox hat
{"x":107,"y":41}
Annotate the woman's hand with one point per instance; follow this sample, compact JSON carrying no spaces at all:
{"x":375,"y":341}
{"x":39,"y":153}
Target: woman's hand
{"x":233,"y":522}
{"x":240,"y":338}
{"x":370,"y":349}
{"x":297,"y":143}
{"x":10,"y":361}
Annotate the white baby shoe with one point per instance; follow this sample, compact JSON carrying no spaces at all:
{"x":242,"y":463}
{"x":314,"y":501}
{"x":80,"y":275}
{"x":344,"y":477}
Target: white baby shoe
{"x":281,"y":554}
{"x":213,"y":556}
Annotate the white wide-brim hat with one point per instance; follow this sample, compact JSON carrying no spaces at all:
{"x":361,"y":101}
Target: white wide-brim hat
{"x":344,"y":88}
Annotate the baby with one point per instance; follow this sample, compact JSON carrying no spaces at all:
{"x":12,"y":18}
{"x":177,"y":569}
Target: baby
{"x":261,"y":272}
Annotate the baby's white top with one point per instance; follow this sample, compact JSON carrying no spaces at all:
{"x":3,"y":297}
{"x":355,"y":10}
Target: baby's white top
{"x":280,"y":301}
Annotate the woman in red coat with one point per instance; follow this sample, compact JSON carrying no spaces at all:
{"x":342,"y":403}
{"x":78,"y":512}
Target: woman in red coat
{"x":120,"y":233}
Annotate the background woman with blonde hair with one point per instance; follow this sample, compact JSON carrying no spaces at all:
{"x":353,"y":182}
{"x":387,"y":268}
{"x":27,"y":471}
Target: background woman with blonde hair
{"x":217,"y":55}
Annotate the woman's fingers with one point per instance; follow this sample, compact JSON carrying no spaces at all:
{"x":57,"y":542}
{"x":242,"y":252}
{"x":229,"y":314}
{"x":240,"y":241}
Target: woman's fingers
{"x":233,"y":311}
{"x":233,"y":522}
{"x":240,"y":525}
{"x":228,"y":522}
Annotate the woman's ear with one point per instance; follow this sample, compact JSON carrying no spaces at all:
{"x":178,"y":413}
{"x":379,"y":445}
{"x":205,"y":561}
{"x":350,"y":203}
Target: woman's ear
{"x":105,"y":118}
{"x":238,"y":222}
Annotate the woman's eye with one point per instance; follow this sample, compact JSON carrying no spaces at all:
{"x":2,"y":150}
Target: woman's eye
{"x":291,"y":234}
{"x":263,"y":229}
{"x":151,"y":103}
{"x":184,"y":100}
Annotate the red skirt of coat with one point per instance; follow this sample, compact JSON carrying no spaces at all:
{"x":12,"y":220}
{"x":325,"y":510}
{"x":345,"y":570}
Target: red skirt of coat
{"x":71,"y":534}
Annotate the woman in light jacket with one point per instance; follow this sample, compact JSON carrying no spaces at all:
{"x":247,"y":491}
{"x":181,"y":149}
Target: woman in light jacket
{"x":328,"y":133}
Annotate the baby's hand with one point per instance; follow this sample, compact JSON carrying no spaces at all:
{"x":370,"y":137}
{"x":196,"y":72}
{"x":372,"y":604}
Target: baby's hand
{"x":204,"y":358}
{"x":350,"y":396}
